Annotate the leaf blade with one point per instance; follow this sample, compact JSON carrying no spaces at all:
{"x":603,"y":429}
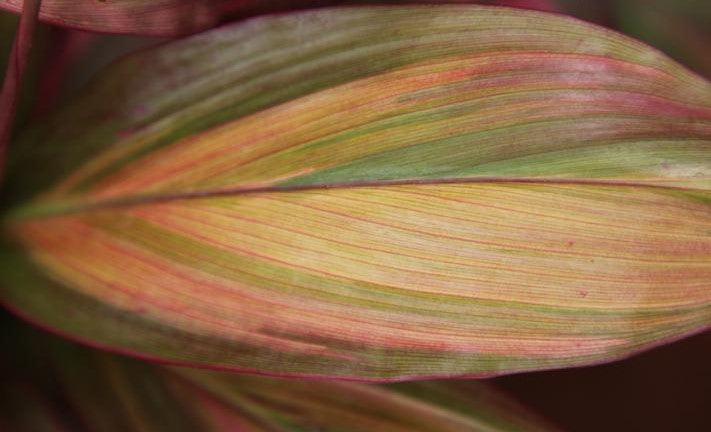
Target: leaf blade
{"x":491,"y":208}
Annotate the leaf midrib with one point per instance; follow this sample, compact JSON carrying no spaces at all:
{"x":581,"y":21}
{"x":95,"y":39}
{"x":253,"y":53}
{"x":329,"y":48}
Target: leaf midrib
{"x":44,"y":210}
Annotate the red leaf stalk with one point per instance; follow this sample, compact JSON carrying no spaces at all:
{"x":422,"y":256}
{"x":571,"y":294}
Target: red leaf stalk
{"x":16,"y":65}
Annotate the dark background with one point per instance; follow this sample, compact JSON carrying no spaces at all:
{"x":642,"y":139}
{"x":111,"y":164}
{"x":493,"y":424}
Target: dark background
{"x":665,"y":389}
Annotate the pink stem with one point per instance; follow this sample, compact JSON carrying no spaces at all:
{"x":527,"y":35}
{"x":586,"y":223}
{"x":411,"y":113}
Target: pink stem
{"x":16,"y":65}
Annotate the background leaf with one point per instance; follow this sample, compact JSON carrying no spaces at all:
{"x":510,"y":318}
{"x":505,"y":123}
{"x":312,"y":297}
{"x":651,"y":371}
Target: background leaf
{"x":57,"y":386}
{"x":156,"y":18}
{"x":181,"y":17}
{"x":376,"y":194}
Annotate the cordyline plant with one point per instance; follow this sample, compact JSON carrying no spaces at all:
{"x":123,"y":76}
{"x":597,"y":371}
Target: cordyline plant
{"x":357,"y":193}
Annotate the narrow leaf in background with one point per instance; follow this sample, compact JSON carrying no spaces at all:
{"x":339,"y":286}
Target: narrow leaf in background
{"x":374,"y":193}
{"x":76,"y":389}
{"x":181,"y":17}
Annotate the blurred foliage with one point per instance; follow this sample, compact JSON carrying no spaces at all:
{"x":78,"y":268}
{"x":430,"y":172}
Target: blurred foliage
{"x":8,"y":26}
{"x":50,"y":384}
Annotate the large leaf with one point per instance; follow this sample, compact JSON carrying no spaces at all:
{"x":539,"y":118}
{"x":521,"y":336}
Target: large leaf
{"x":180,"y":17}
{"x":376,"y":194}
{"x":64,"y":387}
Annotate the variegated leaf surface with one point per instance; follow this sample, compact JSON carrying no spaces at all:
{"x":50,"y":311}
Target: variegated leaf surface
{"x":374,"y":193}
